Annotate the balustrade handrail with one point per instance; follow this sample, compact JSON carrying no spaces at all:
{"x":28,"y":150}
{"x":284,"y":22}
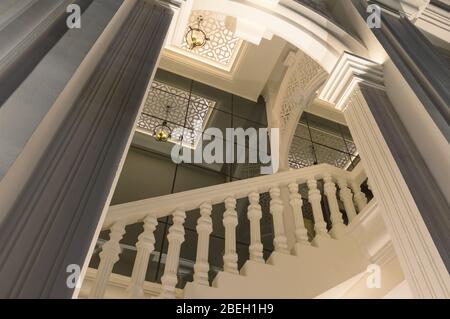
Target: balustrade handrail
{"x":176,"y":205}
{"x":161,"y":206}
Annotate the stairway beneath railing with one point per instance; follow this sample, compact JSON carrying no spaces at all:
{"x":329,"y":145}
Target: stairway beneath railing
{"x":327,"y":250}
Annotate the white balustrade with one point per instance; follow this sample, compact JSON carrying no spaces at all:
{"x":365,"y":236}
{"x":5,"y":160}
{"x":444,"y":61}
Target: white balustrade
{"x":347,"y":198}
{"x":314,"y":197}
{"x":204,"y":229}
{"x":230,"y":221}
{"x":254,"y":215}
{"x":338,"y":227}
{"x":360,"y":198}
{"x":296,"y":202}
{"x":175,"y":238}
{"x":276,"y":209}
{"x":126,"y":214}
{"x":145,"y":246}
{"x":108,"y":257}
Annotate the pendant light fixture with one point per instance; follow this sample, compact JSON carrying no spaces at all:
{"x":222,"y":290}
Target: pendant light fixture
{"x":195,"y":36}
{"x":162,"y":132}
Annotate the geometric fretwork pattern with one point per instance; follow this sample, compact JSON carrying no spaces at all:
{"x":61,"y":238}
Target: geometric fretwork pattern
{"x":330,"y":156}
{"x":222,"y":46}
{"x":180,"y":102}
{"x":301,"y":153}
{"x":328,"y":148}
{"x":328,"y":139}
{"x":303,"y":72}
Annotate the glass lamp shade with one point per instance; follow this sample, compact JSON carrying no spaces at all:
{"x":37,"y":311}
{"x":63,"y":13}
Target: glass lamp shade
{"x":162,"y":133}
{"x":196,"y":38}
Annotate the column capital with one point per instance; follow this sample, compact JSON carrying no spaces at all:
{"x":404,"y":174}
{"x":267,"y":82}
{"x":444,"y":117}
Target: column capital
{"x":350,"y":71}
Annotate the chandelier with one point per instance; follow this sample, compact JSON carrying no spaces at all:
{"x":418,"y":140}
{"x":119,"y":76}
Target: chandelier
{"x":163,"y":132}
{"x":195,"y":36}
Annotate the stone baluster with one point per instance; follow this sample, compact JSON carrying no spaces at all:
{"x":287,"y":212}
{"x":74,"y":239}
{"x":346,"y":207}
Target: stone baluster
{"x":175,"y":238}
{"x":276,"y":209}
{"x":108,"y":257}
{"x":295,"y":200}
{"x":204,"y":229}
{"x":314,"y":198}
{"x":145,"y":246}
{"x":230,"y":221}
{"x":347,"y":198}
{"x":254,"y":215}
{"x":360,"y":197}
{"x":338,"y":227}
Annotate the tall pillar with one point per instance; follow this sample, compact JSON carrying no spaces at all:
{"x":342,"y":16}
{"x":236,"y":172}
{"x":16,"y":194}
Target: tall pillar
{"x":414,"y":212}
{"x":425,"y":68}
{"x":417,"y":81}
{"x":56,"y":213}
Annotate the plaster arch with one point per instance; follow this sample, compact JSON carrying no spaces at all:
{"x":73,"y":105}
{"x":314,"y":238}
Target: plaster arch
{"x":298,"y":89}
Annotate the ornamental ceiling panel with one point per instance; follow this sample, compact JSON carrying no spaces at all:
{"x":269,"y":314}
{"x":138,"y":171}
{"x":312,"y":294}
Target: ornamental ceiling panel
{"x":223,"y":46}
{"x":185,"y":113}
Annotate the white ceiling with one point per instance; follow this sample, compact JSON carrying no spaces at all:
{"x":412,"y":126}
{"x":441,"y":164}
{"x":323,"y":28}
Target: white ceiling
{"x":227,"y":62}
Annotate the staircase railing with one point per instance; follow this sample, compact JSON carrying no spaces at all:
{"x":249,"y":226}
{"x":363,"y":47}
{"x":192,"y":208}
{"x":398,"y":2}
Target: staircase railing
{"x":176,"y":205}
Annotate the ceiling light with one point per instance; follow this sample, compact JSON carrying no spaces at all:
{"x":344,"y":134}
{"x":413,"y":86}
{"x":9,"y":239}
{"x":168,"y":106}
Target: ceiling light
{"x":195,"y":36}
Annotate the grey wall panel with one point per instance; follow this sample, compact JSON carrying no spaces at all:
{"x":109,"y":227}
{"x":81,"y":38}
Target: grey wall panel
{"x":55,"y":216}
{"x":37,"y":79}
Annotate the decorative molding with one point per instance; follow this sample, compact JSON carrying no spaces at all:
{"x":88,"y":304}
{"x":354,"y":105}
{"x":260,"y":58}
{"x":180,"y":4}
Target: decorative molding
{"x":435,"y":20}
{"x":349,"y":72}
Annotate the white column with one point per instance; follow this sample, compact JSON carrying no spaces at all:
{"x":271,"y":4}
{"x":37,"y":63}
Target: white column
{"x":204,"y":229}
{"x":175,"y":238}
{"x":347,"y":198}
{"x":314,"y":198}
{"x":360,"y":198}
{"x":338,"y":227}
{"x":254,"y":215}
{"x":276,"y":209}
{"x":295,"y":200}
{"x":356,"y":87}
{"x":230,"y":221}
{"x":145,"y":246}
{"x":108,"y":257}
